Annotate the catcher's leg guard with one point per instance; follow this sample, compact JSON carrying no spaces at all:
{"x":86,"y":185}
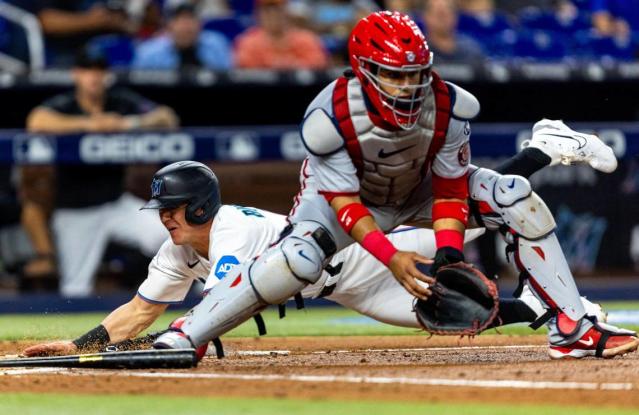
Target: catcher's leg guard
{"x":507,"y":203}
{"x":528,"y":226}
{"x":273,"y":277}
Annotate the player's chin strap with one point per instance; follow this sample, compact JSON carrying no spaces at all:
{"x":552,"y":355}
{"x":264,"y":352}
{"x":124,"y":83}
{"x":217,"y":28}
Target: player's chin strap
{"x":508,"y":204}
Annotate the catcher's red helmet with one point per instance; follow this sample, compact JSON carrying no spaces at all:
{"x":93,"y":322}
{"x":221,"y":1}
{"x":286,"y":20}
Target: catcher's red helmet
{"x":392,"y":42}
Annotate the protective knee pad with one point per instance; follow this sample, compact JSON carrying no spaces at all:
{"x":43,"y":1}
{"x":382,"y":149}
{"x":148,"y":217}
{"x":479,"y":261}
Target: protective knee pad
{"x":511,"y":202}
{"x":298,"y":261}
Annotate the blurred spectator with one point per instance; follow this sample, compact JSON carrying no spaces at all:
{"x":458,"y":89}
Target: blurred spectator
{"x":184,"y":45}
{"x":207,"y":9}
{"x":515,"y":6}
{"x":91,"y":207}
{"x":489,"y":18}
{"x":69,"y":24}
{"x":333,"y":21}
{"x":617,"y":18}
{"x":275,"y":44}
{"x":448,"y":46}
{"x":408,"y":7}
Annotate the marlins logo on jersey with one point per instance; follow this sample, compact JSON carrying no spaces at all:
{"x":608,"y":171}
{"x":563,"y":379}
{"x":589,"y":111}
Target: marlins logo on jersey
{"x":156,"y":187}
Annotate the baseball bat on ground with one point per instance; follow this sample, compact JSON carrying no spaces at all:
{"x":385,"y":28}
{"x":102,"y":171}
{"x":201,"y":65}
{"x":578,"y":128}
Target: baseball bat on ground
{"x":139,"y":359}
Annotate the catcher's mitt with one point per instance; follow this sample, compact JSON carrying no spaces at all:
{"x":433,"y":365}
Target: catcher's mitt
{"x":463,"y":302}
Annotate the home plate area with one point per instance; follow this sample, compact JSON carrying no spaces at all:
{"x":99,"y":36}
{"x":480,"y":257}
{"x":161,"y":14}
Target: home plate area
{"x":489,"y":368}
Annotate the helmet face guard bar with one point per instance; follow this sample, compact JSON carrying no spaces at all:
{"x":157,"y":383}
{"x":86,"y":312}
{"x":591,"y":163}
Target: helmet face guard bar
{"x":406,"y":109}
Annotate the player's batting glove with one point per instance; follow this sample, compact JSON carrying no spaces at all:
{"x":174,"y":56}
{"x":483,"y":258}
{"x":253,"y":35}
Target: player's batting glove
{"x":446,"y":255}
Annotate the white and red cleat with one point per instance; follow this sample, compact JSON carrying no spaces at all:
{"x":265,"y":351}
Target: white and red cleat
{"x":602,"y":340}
{"x":566,"y":146}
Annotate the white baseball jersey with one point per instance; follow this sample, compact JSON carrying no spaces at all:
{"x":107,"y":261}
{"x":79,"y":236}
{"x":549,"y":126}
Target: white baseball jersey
{"x":238,"y":234}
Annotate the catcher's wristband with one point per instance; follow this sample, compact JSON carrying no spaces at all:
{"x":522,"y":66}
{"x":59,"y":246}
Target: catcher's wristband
{"x":449,"y":237}
{"x":350,"y":214}
{"x":379,"y":246}
{"x":96,"y":337}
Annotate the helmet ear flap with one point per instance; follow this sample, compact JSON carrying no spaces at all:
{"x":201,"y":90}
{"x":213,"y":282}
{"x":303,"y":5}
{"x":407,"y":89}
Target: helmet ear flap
{"x":209,"y":209}
{"x":192,"y":216}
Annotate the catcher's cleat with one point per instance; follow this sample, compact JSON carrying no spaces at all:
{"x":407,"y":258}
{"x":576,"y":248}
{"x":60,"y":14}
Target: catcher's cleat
{"x":602,"y":340}
{"x":566,"y":146}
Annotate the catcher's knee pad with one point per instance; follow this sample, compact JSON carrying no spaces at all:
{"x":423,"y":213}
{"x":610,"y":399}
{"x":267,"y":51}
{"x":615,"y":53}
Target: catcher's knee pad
{"x":298,"y":260}
{"x":509,"y":201}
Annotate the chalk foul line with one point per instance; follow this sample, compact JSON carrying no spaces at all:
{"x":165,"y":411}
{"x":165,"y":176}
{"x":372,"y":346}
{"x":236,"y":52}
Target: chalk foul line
{"x":503,"y":383}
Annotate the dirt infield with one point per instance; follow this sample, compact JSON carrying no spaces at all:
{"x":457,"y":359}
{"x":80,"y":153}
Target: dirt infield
{"x":500,"y":369}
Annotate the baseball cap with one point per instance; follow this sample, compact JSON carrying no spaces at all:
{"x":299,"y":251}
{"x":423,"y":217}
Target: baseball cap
{"x":91,"y":58}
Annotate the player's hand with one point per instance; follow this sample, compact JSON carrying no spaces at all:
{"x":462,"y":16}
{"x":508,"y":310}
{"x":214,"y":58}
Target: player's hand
{"x":51,"y":349}
{"x":402,"y":265}
{"x":107,"y":122}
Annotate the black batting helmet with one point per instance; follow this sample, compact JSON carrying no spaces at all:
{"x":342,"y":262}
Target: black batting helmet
{"x":187,"y":182}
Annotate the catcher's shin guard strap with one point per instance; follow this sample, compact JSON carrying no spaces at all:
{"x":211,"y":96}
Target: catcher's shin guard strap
{"x":259,"y":321}
{"x":513,"y":310}
{"x":324,"y":241}
{"x":219,"y":349}
{"x":601,"y":344}
{"x":543,"y":319}
{"x":299,"y":304}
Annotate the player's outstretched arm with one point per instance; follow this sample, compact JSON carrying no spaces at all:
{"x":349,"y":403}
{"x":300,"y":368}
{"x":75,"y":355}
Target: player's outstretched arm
{"x":125,"y":322}
{"x":130,"y":319}
{"x":357,"y":221}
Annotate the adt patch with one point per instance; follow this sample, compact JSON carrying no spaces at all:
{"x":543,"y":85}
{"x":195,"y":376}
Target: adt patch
{"x":224,"y":265}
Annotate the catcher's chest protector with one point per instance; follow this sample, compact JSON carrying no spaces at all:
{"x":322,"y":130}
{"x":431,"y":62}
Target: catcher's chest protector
{"x":390,"y":163}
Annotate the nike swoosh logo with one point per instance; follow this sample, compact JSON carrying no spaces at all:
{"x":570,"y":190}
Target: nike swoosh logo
{"x":382,"y":154}
{"x":581,"y":143}
{"x":304,"y":256}
{"x":588,"y":342}
{"x":188,"y":264}
{"x":512,"y":184}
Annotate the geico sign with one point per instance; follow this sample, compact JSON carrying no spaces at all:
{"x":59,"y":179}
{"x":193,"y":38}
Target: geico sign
{"x":118,"y":148}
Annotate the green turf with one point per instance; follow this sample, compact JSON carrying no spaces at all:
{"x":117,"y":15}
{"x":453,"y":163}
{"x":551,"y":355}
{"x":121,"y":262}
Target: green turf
{"x":324,"y":321}
{"x":40,"y":404}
